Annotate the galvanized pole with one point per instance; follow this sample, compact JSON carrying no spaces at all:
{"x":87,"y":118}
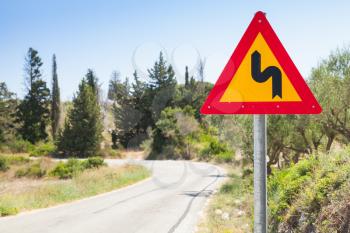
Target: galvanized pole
{"x":260,"y":193}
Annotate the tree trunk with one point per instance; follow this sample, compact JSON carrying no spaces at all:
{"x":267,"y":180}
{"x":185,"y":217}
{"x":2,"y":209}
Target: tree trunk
{"x":329,"y":143}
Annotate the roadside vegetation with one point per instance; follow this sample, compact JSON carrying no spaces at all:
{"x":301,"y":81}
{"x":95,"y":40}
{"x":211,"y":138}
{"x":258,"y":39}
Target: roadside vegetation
{"x":158,"y":114}
{"x":312,"y":195}
{"x":28,"y":184}
{"x":308,"y":165}
{"x":231,"y":208}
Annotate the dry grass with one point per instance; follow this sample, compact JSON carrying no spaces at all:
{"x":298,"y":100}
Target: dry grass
{"x":230,"y":209}
{"x":23,"y":194}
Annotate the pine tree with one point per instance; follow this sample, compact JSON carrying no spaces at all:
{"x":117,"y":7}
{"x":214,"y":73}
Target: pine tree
{"x":162,"y":87}
{"x":83,"y":127}
{"x":55,"y":100}
{"x":33,"y":112}
{"x":161,"y":75}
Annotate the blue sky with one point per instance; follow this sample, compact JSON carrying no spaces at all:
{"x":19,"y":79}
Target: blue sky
{"x":128,"y":35}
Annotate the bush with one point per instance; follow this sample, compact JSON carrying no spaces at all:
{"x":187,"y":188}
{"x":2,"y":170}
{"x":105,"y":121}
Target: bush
{"x":7,"y":210}
{"x":225,"y":157}
{"x":93,"y":162}
{"x":19,"y":146}
{"x":214,"y":149}
{"x":74,"y":166}
{"x":299,"y":196}
{"x":43,"y":149}
{"x":3,"y":164}
{"x":34,"y":171}
{"x":17,"y":160}
{"x":67,"y":170}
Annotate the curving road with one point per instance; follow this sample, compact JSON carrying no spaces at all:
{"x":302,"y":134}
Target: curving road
{"x":169,"y":202}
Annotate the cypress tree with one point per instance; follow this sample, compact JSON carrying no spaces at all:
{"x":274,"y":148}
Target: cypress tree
{"x":92,"y":81}
{"x":55,"y":100}
{"x":8,"y":104}
{"x":33,"y":112}
{"x":187,"y":82}
{"x":82,"y":132}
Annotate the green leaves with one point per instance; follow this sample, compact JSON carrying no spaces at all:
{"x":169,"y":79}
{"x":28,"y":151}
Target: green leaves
{"x":33,"y":112}
{"x":83,"y":127}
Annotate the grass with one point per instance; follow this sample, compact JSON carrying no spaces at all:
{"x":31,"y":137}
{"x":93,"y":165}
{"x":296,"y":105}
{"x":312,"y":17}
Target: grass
{"x":27,"y":193}
{"x":230,"y":209}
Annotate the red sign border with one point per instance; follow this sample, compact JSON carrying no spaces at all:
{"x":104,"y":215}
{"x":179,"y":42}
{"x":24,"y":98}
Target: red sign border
{"x":308,"y":103}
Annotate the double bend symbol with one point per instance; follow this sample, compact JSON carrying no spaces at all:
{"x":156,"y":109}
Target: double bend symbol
{"x":271,"y":71}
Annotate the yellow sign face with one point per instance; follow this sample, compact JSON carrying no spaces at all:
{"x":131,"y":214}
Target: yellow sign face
{"x":249,"y":84}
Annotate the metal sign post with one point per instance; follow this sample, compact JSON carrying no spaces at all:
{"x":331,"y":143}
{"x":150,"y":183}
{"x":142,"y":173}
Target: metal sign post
{"x":260,"y":193}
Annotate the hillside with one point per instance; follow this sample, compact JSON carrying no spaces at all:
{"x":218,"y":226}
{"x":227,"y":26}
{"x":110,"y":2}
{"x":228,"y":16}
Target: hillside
{"x":312,"y":195}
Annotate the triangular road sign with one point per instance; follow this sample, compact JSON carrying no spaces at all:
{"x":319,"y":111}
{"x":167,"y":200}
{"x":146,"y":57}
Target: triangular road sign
{"x":260,"y":78}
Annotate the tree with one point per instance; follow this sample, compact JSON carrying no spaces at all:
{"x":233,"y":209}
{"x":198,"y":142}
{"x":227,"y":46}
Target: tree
{"x":187,"y":77}
{"x":33,"y":113}
{"x":82,"y":132}
{"x":55,"y":100}
{"x":330,"y":81}
{"x":92,"y":81}
{"x":114,"y":86}
{"x":8,"y":104}
{"x":126,"y":117}
{"x":162,"y":87}
{"x":172,"y":132}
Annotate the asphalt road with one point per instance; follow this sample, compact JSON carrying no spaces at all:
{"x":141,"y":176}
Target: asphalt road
{"x":171,"y":201}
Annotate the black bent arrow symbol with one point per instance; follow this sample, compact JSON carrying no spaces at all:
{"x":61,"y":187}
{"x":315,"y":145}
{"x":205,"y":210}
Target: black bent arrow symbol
{"x":271,"y":71}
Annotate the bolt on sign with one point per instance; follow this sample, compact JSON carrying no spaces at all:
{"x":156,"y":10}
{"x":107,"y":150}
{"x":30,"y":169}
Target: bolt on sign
{"x":260,"y":78}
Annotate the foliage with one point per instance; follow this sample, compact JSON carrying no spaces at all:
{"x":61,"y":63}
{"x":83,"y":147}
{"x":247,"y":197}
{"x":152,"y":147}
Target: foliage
{"x":127,"y":117}
{"x":34,"y":171}
{"x":14,"y":159}
{"x":82,"y":131}
{"x":138,"y":108}
{"x":67,"y":170}
{"x":330,"y":82}
{"x":74,"y":166}
{"x":3,"y":164}
{"x":18,"y":146}
{"x":94,"y":162}
{"x":8,"y":104}
{"x":299,"y":193}
{"x":55,"y":100}
{"x":33,"y":112}
{"x":43,"y":149}
{"x":173,"y":132}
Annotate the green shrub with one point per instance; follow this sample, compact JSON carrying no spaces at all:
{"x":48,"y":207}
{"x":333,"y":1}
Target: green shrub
{"x":17,"y":159}
{"x":7,"y":210}
{"x":93,"y":162}
{"x":69,"y":169}
{"x":43,"y":149}
{"x":214,"y":149}
{"x":3,"y":164}
{"x":33,"y":171}
{"x":285,"y":185}
{"x":19,"y":146}
{"x":225,"y":157}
